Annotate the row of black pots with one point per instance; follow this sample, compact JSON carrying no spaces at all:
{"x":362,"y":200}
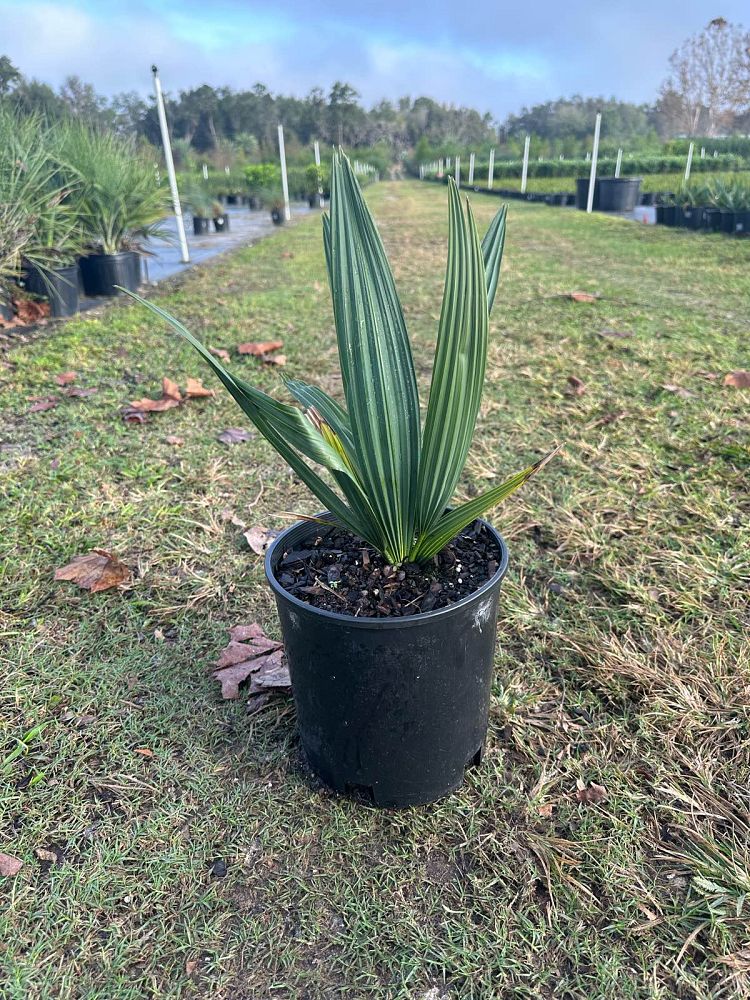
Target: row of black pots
{"x":701,"y":217}
{"x":95,"y":274}
{"x":202,"y":224}
{"x":611,"y":194}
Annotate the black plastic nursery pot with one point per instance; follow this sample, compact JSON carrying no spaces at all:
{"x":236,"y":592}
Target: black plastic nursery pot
{"x":582,"y":194}
{"x":711,"y":219}
{"x":59,"y":286}
{"x":102,"y":272}
{"x":201,"y":225}
{"x":277,"y":216}
{"x":735,"y":222}
{"x":221,"y":223}
{"x":692,"y":216}
{"x":390,"y":710}
{"x":618,"y":194}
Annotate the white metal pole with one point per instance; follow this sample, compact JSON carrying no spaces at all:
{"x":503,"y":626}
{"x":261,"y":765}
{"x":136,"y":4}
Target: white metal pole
{"x":689,"y":163}
{"x":316,"y":146}
{"x":594,"y":156}
{"x":618,"y":165}
{"x":471,"y":168}
{"x":440,"y":168}
{"x":448,"y":162}
{"x":525,"y":171}
{"x":176,"y":208}
{"x":458,"y":171}
{"x":205,"y":171}
{"x":284,"y":185}
{"x":703,"y":152}
{"x":491,"y":170}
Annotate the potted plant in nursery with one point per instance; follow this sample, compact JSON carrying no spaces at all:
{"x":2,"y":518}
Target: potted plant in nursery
{"x":388,"y":599}
{"x":118,"y":203}
{"x":202,"y":207}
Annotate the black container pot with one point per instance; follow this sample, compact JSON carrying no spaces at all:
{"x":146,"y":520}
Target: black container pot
{"x":59,"y":286}
{"x":582,"y":194}
{"x":679,"y":216}
{"x":233,"y":199}
{"x":200,"y":225}
{"x":101,"y":272}
{"x":253,"y":202}
{"x":648,"y":198}
{"x":392,"y":710}
{"x":277,"y":216}
{"x":735,"y":222}
{"x":619,"y":194}
{"x":6,"y":310}
{"x":711,"y":219}
{"x":221,"y":223}
{"x":692,"y":216}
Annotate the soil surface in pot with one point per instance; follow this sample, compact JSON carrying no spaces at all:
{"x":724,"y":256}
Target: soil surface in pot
{"x":339,"y":572}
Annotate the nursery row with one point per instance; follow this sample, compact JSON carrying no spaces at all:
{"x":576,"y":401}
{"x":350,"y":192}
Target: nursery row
{"x":70,"y":194}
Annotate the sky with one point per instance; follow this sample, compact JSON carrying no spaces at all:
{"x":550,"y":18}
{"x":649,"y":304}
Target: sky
{"x":494,"y":56}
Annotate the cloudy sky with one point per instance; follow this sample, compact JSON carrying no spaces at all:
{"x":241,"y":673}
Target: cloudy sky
{"x":465,"y":53}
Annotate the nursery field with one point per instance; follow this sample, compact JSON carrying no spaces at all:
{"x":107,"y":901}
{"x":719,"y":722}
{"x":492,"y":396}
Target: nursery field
{"x":555,"y":185}
{"x":173,"y":846}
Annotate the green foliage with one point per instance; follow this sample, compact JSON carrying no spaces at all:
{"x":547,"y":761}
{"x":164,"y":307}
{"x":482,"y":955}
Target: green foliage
{"x":394,"y":484}
{"x":114,"y":193}
{"x":260,"y":176}
{"x":731,"y":194}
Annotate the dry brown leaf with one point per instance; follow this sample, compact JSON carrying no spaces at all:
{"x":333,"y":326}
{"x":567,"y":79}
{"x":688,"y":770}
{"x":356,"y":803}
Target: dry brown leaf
{"x":170,"y":389}
{"x":545,"y":810}
{"x":249,"y":646}
{"x":45,"y":855}
{"x":170,"y":397}
{"x":195,"y":389}
{"x":234,"y":435}
{"x":738,"y":380}
{"x":191,"y":966}
{"x":577,"y":388}
{"x":78,"y":392}
{"x":220,"y":352}
{"x":174,"y":439}
{"x":274,"y":359}
{"x":273,"y":674}
{"x":9,"y":865}
{"x":591,"y":795}
{"x":582,"y":296}
{"x":615,"y":334}
{"x":229,"y":515}
{"x":678,"y":390}
{"x":144,"y":751}
{"x":65,"y":378}
{"x":99,"y":570}
{"x":28,"y":311}
{"x":258,"y":347}
{"x":43,"y":403}
{"x":259,"y":538}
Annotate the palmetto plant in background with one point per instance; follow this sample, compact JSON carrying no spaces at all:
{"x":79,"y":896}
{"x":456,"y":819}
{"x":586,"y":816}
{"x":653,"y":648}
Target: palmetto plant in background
{"x":394,"y":480}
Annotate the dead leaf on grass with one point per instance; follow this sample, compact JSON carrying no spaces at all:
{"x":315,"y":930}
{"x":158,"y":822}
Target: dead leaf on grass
{"x":234,"y":435}
{"x":75,"y":391}
{"x":678,"y":390}
{"x":229,"y":515}
{"x":144,"y":751}
{"x":545,"y":810}
{"x":195,"y":389}
{"x":174,"y":439}
{"x":244,"y":656}
{"x":258,"y":347}
{"x":9,"y":865}
{"x":615,"y":334}
{"x":259,"y":538}
{"x":738,"y":380}
{"x":41,"y":403}
{"x":99,"y":570}
{"x":191,"y":966}
{"x":28,"y":311}
{"x":170,"y":397}
{"x":46,"y":855}
{"x":273,"y":359}
{"x":591,"y":795}
{"x":220,"y":352}
{"x":577,"y":388}
{"x":582,"y":296}
{"x":65,"y":378}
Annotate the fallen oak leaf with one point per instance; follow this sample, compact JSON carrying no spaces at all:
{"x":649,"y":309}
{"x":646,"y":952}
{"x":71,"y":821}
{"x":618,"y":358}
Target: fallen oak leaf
{"x":592,"y":795}
{"x":582,"y":296}
{"x":170,"y":397}
{"x":577,"y":388}
{"x":234,"y":435}
{"x":75,"y":391}
{"x":259,"y":538}
{"x":240,"y":659}
{"x":170,"y":389}
{"x":738,"y":380}
{"x":615,"y":334}
{"x":273,"y":359}
{"x":65,"y":378}
{"x":97,"y":571}
{"x":174,"y":440}
{"x":273,"y":674}
{"x":9,"y":865}
{"x":195,"y":389}
{"x":220,"y":352}
{"x":229,"y":515}
{"x":678,"y":390}
{"x":46,"y":855}
{"x":44,"y":403}
{"x":258,"y":347}
{"x":144,"y":751}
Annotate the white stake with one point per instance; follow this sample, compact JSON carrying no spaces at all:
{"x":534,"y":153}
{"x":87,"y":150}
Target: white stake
{"x":458,"y":171}
{"x":284,"y":185}
{"x":176,"y":208}
{"x":205,"y":171}
{"x":525,"y":171}
{"x":448,"y":162}
{"x":703,"y":152}
{"x":471,"y":168}
{"x":594,"y":155}
{"x":689,"y":163}
{"x":491,"y":170}
{"x":619,"y":163}
{"x":316,"y":147}
{"x":440,"y":168}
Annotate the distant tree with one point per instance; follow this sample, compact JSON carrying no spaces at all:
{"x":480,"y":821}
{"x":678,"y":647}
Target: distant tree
{"x":709,"y":80}
{"x":9,"y":76}
{"x":83,"y":102}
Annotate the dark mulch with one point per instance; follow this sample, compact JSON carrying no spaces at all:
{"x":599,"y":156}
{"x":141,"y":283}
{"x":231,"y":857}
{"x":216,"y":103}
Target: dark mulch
{"x":337,"y":571}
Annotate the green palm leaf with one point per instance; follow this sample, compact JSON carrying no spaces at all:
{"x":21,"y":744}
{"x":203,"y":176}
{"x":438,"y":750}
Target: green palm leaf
{"x":492,"y":254}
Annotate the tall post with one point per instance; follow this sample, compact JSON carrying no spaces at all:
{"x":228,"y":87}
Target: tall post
{"x":440,"y":168}
{"x":689,"y":163}
{"x":703,"y":152}
{"x":471,"y":168}
{"x":491,"y":170}
{"x":594,"y":157}
{"x":618,"y":165}
{"x":525,"y":171}
{"x":284,"y":185}
{"x":176,"y":207}
{"x":458,"y":171}
{"x":205,"y":171}
{"x":316,"y":146}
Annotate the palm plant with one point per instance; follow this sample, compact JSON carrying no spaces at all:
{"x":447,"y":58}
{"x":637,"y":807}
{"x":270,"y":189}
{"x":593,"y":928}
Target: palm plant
{"x":395,"y":480}
{"x":115,"y":197}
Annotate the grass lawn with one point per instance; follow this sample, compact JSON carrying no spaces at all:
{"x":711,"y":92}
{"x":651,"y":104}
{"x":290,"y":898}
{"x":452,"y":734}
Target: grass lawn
{"x":620,"y":653}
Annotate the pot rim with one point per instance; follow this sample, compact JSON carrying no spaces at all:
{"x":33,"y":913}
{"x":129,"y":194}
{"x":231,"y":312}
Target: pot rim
{"x":382,"y":623}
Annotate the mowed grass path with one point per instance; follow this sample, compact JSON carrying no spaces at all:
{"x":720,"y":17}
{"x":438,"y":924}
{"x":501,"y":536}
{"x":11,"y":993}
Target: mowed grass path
{"x":621,"y":661}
